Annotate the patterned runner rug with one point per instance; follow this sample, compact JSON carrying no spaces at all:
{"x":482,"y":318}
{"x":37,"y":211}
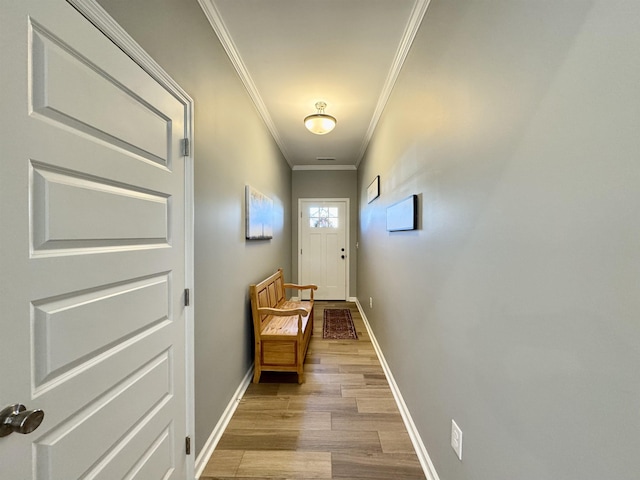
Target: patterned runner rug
{"x":338,"y":324}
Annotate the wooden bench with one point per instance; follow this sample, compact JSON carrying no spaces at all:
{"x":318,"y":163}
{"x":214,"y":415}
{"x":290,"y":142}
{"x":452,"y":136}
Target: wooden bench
{"x":282,"y":327}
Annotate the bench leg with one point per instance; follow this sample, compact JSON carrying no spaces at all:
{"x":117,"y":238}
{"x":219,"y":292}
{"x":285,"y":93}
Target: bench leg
{"x":257,"y":370}
{"x":301,"y":355}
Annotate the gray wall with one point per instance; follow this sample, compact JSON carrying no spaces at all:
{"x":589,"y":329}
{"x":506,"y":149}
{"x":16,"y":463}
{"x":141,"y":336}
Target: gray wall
{"x":326,"y":184}
{"x":232,"y":148}
{"x":515,"y":308}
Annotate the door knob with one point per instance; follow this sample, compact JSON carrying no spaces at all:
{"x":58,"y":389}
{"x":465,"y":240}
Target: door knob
{"x":16,"y":418}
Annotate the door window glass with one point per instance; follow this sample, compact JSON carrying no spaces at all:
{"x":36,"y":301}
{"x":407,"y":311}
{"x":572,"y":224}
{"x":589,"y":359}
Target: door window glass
{"x":323,"y":217}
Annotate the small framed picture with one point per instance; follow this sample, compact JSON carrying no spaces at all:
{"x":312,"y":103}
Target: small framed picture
{"x":373,"y":191}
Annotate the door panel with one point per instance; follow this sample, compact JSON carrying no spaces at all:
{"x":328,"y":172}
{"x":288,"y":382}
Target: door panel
{"x":67,"y":76}
{"x":323,"y":253}
{"x":66,"y":203}
{"x":92,"y":205}
{"x":71,"y":332}
{"x":126,"y":406}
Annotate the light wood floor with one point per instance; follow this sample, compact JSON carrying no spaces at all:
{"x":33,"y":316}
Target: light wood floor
{"x":342,"y":423}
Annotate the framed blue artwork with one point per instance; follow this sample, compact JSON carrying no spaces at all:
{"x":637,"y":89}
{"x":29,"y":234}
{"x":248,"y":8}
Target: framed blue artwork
{"x":259,"y":213}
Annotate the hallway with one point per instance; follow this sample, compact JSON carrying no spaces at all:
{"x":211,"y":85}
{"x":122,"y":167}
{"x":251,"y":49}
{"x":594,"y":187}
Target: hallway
{"x":341,"y":423}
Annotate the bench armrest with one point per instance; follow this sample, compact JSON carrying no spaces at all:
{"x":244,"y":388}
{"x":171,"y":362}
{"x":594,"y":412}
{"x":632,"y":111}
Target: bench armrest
{"x":286,"y":312}
{"x":302,"y":287}
{"x":282,"y":312}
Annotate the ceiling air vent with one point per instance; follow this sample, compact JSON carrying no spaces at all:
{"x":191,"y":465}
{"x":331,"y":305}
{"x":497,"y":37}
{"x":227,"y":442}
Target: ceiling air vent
{"x":326,"y":159}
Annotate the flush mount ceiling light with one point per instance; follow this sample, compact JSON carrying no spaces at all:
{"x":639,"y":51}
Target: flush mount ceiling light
{"x":320,"y":123}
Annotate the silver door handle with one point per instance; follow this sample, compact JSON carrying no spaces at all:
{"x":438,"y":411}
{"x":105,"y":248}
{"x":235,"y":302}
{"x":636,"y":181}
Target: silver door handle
{"x":16,"y":418}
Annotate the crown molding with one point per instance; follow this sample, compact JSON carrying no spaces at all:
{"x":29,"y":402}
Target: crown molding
{"x":413,"y":24}
{"x":219,"y":27}
{"x":324,"y":167}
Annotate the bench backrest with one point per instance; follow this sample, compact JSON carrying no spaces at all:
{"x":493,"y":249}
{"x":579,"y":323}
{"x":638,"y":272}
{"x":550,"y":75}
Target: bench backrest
{"x":268,"y":293}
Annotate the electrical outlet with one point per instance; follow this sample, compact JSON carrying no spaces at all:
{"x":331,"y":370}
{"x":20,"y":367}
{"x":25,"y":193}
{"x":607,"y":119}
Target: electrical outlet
{"x":456,"y":439}
{"x":370,"y":302}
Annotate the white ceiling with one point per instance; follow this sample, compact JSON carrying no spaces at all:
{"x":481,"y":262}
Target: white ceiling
{"x":292,"y":53}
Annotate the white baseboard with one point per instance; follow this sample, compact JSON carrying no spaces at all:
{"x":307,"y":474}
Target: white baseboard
{"x":350,"y":299}
{"x":216,"y":434}
{"x":421,"y":451}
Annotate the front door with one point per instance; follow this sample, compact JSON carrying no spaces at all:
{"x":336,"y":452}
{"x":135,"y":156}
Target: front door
{"x":323,"y":247}
{"x":92,"y":199}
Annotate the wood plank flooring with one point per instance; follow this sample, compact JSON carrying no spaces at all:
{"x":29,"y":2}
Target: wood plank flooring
{"x":342,"y":423}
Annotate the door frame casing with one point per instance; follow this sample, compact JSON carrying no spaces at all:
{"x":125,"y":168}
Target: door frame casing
{"x":91,"y":10}
{"x":346,"y":237}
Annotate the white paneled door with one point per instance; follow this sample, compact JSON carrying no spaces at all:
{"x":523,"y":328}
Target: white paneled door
{"x":322,"y":257}
{"x":92,"y":205}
